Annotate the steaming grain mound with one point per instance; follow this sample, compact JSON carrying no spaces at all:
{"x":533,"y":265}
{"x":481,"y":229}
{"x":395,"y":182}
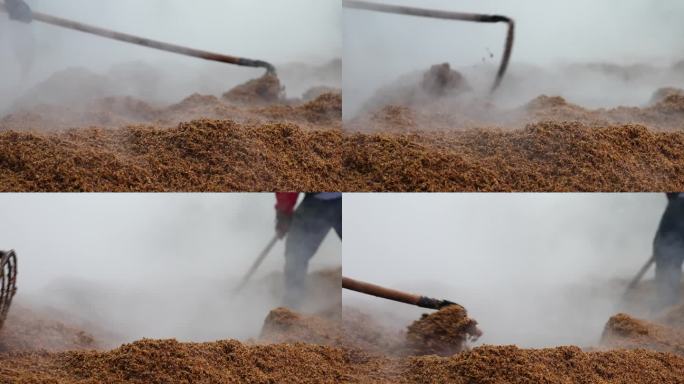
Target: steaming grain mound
{"x":558,"y":109}
{"x":511,"y":365}
{"x":326,"y":107}
{"x":462,"y":113}
{"x":113,"y":112}
{"x":70,"y":87}
{"x":194,"y":101}
{"x":202,"y":155}
{"x":165,"y":361}
{"x":443,"y":332}
{"x":266,"y":89}
{"x":325,"y":110}
{"x":674,"y":317}
{"x":663,"y":93}
{"x":547,"y":156}
{"x":285,"y":326}
{"x":428,"y":90}
{"x":623,"y":331}
{"x":402,"y":118}
{"x":544,"y":102}
{"x":671,"y":104}
{"x":362,"y":331}
{"x":260,"y":100}
{"x":322,"y":297}
{"x":440,"y":79}
{"x":106,"y":112}
{"x":357,"y":331}
{"x":26,"y":330}
{"x":229,"y":361}
{"x":168,"y":361}
{"x":314,"y":92}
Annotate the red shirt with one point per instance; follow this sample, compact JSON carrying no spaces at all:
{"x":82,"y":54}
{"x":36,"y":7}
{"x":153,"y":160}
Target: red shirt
{"x":286,"y":201}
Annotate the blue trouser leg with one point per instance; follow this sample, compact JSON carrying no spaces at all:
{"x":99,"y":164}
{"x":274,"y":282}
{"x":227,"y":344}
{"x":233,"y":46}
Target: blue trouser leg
{"x":336,"y":217}
{"x":312,"y":221}
{"x":669,"y":258}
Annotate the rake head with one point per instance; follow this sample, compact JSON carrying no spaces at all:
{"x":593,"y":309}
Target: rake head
{"x":8,"y":280}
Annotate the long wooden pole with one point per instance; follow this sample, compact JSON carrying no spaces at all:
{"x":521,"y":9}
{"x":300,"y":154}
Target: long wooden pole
{"x":74,"y":25}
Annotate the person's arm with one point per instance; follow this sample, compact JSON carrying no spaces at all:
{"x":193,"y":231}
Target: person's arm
{"x":285,"y":203}
{"x":18,"y":10}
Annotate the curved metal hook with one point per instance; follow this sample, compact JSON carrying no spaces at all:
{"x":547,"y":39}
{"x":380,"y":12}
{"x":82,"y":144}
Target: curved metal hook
{"x":447,"y":15}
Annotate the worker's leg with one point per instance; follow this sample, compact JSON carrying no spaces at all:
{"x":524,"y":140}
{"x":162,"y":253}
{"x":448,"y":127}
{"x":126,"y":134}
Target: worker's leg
{"x":307,"y":231}
{"x":335,"y":210}
{"x":669,"y":258}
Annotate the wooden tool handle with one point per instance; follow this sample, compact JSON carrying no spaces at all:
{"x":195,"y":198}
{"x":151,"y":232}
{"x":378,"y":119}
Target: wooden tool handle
{"x":74,"y":25}
{"x":376,"y":290}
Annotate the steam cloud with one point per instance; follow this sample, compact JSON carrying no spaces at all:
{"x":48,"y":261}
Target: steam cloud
{"x":149,"y":265}
{"x":297,"y":31}
{"x":533,"y":269}
{"x":551,"y":37}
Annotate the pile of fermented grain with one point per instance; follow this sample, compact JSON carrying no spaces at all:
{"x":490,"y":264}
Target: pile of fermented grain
{"x":202,"y":155}
{"x":443,"y":332}
{"x":545,"y":156}
{"x":266,"y":89}
{"x":237,"y":143}
{"x":441,"y":80}
{"x":363,"y":332}
{"x":27,"y":330}
{"x":624,"y":331}
{"x":168,"y":361}
{"x":509,"y":364}
{"x":161,"y":361}
{"x":464,"y":144}
{"x":332,"y":361}
{"x":353,"y":330}
{"x":283,"y":325}
{"x":322,"y":111}
{"x":663,"y":333}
